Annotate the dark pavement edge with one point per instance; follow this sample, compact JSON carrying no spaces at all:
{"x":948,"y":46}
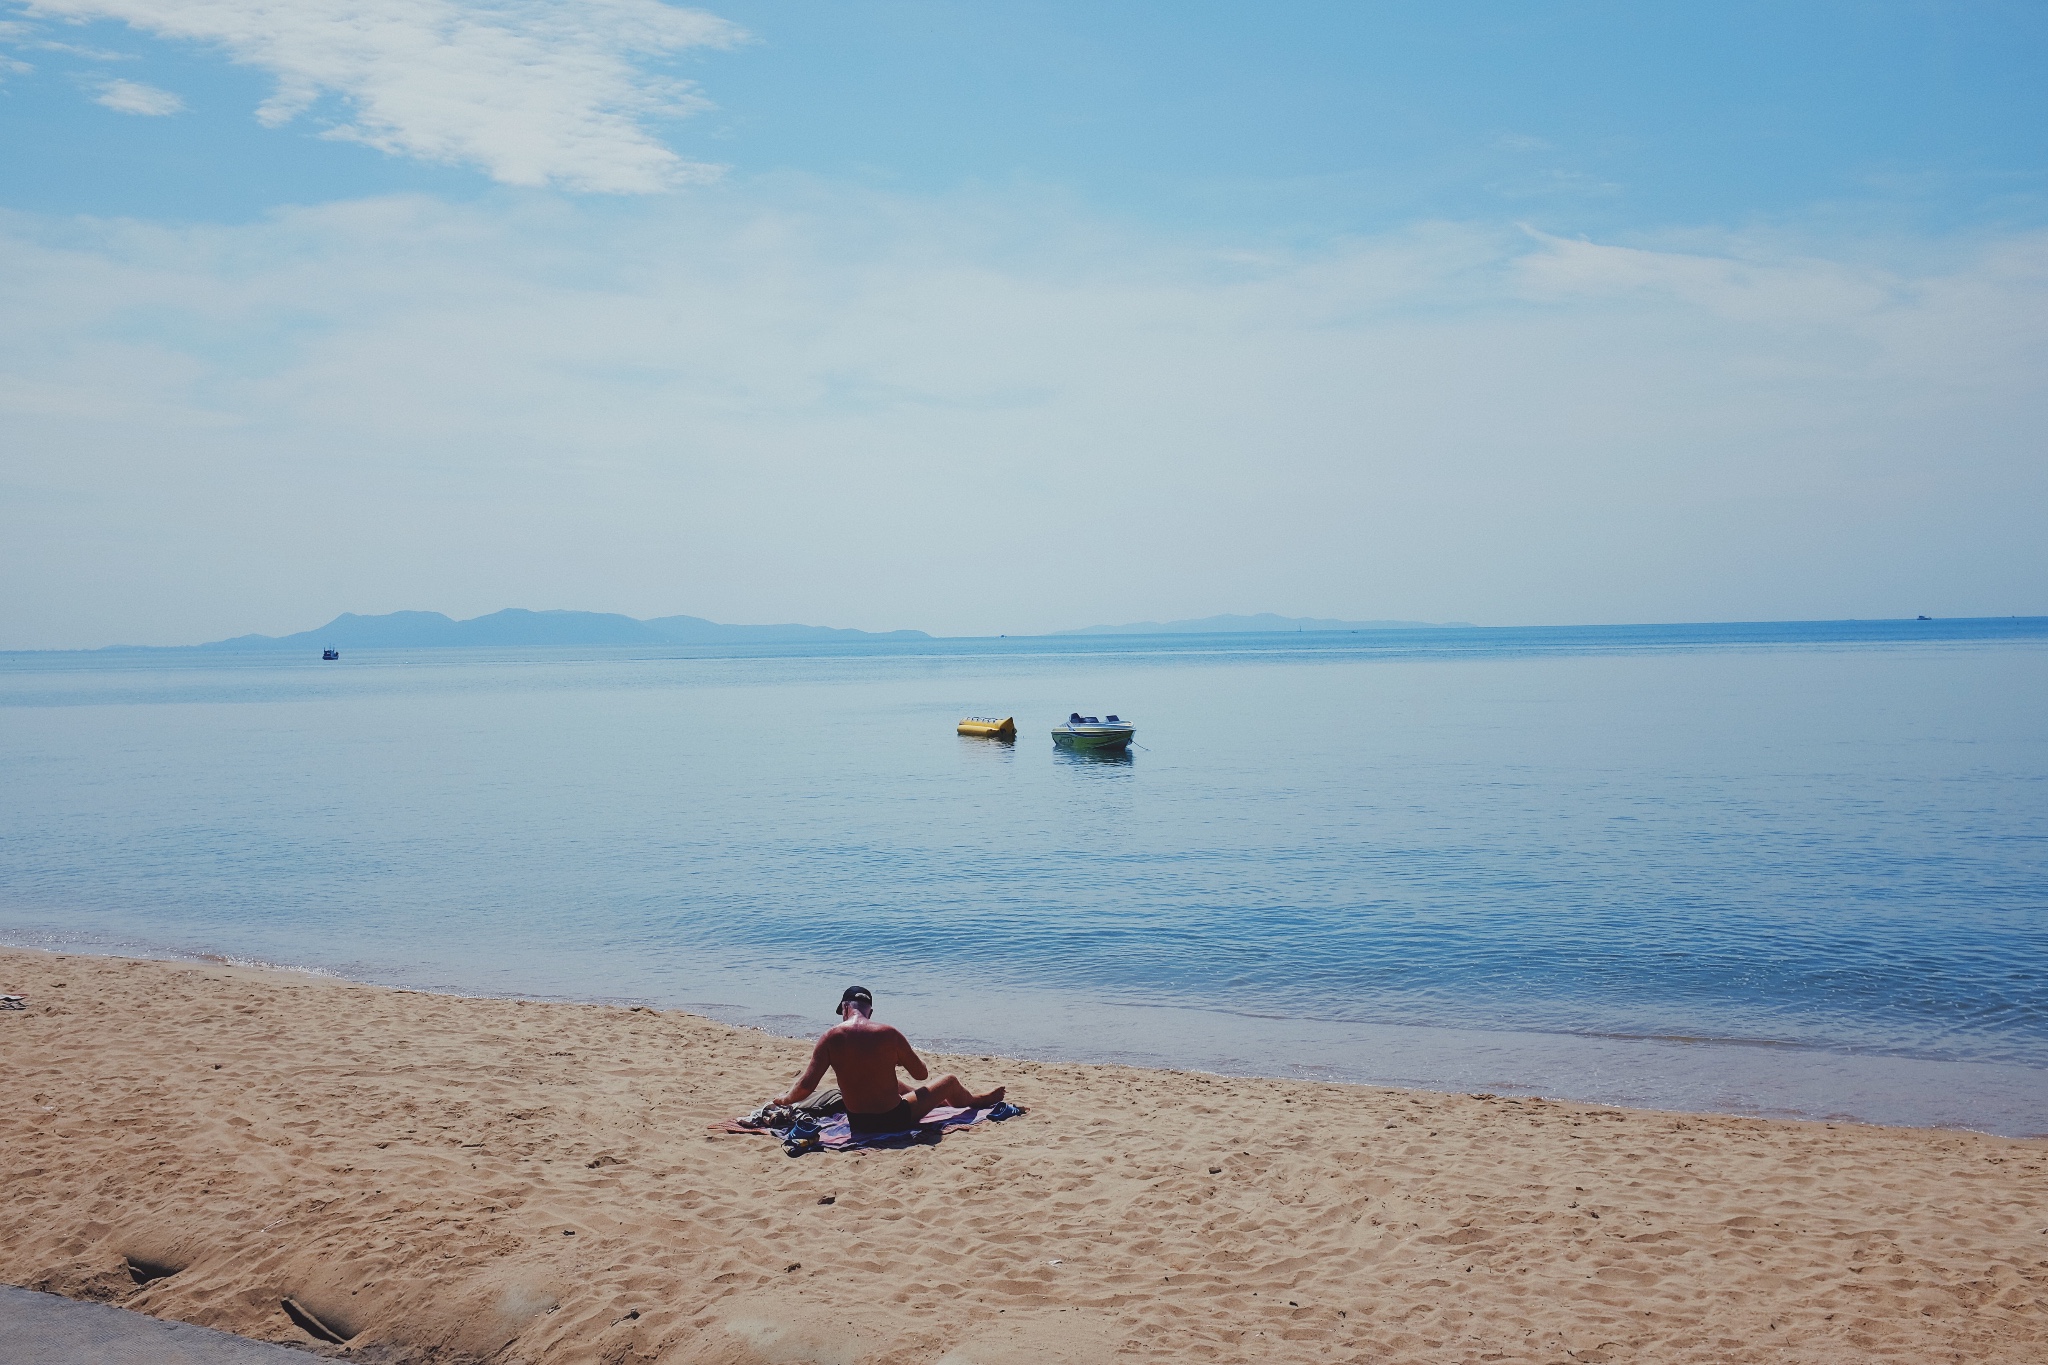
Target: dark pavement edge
{"x":47,"y":1329}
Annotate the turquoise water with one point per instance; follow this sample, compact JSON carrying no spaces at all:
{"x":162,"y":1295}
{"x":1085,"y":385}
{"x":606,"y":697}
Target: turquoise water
{"x":1773,"y":869}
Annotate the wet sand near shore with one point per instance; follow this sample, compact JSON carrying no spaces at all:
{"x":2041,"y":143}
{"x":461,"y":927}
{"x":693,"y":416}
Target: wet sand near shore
{"x":436,"y":1178}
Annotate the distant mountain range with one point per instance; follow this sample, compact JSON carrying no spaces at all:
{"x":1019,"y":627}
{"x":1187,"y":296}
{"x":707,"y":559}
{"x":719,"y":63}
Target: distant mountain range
{"x":1264,"y":622}
{"x":516,"y":626}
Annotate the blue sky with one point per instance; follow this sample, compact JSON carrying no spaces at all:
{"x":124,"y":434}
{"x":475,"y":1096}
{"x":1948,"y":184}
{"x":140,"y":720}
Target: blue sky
{"x":1306,"y":118}
{"x":1500,"y":312}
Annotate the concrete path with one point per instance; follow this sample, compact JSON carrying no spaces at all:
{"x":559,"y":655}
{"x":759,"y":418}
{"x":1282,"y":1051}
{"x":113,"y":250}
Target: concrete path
{"x":43,"y":1329}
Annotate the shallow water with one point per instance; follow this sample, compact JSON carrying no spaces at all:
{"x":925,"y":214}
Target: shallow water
{"x":1772,"y":869}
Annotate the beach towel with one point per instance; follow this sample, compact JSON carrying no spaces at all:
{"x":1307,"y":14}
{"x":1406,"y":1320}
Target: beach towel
{"x":818,"y":1108}
{"x":836,"y":1135}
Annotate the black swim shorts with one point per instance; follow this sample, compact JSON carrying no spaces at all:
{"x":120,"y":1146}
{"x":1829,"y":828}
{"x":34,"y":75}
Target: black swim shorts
{"x":904,"y":1116}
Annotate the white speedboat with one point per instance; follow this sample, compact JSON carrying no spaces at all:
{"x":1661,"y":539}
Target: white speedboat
{"x":1089,"y":732}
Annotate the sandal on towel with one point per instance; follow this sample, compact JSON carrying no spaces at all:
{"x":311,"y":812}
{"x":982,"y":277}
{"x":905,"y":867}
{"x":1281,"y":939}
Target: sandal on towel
{"x":802,"y":1136}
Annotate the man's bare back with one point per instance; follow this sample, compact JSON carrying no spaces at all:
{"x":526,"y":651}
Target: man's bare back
{"x":863,"y":1057}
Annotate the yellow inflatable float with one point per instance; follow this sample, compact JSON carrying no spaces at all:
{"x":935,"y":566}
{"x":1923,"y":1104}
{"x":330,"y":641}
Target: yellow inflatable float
{"x":988,"y":727}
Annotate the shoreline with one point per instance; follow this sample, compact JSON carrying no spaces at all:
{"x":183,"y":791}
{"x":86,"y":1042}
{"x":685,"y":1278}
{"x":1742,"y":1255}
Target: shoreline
{"x":454,"y":1178}
{"x":1733,"y":1077}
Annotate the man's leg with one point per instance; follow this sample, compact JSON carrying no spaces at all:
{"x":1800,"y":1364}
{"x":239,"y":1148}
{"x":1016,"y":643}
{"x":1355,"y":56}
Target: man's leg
{"x":948,"y":1091}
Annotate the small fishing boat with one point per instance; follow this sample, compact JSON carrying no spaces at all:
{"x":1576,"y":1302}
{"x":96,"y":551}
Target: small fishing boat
{"x":1088,"y":732}
{"x":988,"y":727}
{"x":330,"y":654}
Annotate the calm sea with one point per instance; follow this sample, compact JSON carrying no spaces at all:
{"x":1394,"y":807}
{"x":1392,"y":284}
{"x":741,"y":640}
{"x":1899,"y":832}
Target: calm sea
{"x":1782,"y":869}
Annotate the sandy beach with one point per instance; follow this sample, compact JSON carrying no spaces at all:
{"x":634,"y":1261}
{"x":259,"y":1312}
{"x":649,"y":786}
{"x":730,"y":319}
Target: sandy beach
{"x":449,"y":1179}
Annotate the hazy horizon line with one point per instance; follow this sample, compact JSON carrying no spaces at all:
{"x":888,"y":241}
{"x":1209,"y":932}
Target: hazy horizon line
{"x":1303,"y":624}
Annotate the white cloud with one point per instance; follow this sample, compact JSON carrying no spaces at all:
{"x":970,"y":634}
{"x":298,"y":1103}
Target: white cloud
{"x":534,"y":92}
{"x":91,"y":54}
{"x":13,"y":31}
{"x":133,"y":97}
{"x":883,"y":412}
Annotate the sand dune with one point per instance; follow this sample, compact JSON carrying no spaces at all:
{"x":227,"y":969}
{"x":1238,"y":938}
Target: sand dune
{"x":446,"y":1179}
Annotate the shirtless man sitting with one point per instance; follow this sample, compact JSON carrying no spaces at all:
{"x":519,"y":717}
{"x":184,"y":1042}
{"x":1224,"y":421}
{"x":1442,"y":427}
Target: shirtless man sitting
{"x":863,"y":1056}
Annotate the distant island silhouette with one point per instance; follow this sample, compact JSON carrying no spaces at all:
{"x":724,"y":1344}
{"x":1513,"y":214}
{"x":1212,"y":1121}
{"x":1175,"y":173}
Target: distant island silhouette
{"x":1262,"y":623}
{"x":517,"y":626}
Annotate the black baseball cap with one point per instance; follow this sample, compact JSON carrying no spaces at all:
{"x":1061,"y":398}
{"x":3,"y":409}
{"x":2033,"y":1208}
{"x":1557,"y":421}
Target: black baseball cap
{"x":855,"y":994}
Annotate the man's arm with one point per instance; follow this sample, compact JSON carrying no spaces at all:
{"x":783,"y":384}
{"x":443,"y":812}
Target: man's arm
{"x":911,"y":1062}
{"x":821,"y":1058}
